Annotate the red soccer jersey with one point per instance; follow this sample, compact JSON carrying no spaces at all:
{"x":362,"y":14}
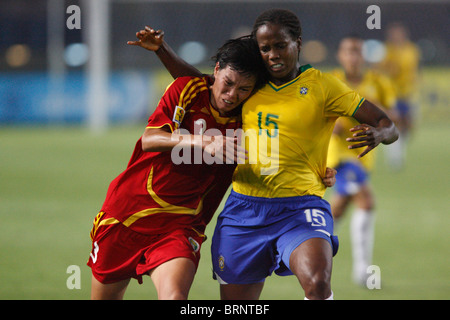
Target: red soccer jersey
{"x":154,"y":195}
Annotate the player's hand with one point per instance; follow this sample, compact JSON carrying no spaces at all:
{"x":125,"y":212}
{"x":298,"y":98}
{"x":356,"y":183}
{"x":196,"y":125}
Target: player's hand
{"x":226,"y":149}
{"x":148,"y":39}
{"x":330,"y":177}
{"x":365,"y":136}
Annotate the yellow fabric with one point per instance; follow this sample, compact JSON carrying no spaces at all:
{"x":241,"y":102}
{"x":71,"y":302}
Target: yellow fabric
{"x":287,"y":131}
{"x":401,"y":65}
{"x":377,"y":89}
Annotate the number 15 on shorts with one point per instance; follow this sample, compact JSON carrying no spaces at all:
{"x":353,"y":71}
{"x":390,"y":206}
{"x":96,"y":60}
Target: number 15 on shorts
{"x":315,"y":217}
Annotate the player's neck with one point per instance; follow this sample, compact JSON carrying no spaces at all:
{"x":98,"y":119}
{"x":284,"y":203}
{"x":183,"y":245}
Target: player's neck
{"x":291,"y":76}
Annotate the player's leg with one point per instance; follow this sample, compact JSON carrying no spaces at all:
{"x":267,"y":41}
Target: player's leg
{"x":396,"y":152}
{"x":112,"y":261}
{"x":339,"y":204}
{"x":362,"y":226}
{"x":241,"y":291}
{"x":311,"y":262}
{"x":173,"y":279}
{"x":110,"y":291}
{"x":344,"y":189}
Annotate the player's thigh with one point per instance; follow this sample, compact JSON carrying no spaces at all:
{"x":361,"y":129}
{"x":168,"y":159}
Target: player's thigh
{"x":109,"y":291}
{"x":365,"y":199}
{"x":311,"y":262}
{"x":241,"y":255}
{"x":339,"y":204}
{"x":173,"y":279}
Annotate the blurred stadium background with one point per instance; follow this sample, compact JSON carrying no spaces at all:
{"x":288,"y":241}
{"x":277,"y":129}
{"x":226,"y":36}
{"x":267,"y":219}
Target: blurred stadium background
{"x":74,"y":101}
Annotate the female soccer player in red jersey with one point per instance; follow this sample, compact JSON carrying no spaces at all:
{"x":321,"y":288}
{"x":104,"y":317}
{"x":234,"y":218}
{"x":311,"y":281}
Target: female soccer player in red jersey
{"x":154,"y":216}
{"x":291,"y":225}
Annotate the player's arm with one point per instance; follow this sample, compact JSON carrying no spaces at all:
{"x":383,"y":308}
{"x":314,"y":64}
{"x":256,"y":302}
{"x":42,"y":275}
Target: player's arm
{"x":375,"y":127}
{"x":162,"y":139}
{"x":154,"y":41}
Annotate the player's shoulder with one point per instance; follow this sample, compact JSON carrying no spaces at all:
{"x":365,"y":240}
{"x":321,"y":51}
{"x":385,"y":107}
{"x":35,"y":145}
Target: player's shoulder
{"x":334,"y":80}
{"x":338,"y":73}
{"x":189,"y":83}
{"x":188,"y":89}
{"x":377,"y":78}
{"x":324,"y":77}
{"x":376,"y":75}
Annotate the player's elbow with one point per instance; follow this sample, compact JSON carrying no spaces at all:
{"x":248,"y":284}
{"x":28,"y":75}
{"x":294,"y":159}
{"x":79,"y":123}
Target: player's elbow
{"x":150,"y":141}
{"x":156,"y":140}
{"x":147,"y":144}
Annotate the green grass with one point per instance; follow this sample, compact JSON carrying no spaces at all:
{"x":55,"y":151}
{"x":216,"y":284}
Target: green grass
{"x":53,"y":182}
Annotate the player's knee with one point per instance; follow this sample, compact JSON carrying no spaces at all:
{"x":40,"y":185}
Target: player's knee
{"x":173,"y":295}
{"x":318,"y":286}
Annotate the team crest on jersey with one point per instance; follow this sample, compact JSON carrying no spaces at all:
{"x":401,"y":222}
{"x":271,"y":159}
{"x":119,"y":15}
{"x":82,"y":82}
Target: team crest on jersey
{"x":303,"y":90}
{"x":194,"y":244}
{"x":178,"y":115}
{"x":221,"y":263}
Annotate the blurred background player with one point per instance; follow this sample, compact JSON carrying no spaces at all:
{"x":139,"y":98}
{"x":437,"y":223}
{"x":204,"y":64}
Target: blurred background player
{"x":401,"y":64}
{"x":352,"y":179}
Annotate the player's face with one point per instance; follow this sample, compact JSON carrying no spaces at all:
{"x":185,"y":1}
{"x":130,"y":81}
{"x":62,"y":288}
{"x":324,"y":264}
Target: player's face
{"x":279,"y":52}
{"x":350,"y":55}
{"x":397,"y":34}
{"x":230,"y":88}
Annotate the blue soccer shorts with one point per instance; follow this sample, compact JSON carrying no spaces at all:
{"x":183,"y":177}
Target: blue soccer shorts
{"x":404,"y":108}
{"x":350,"y":177}
{"x":256,"y":236}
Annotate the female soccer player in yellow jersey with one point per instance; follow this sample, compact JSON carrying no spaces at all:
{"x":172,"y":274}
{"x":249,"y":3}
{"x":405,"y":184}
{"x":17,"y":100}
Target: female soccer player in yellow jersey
{"x":275,"y":218}
{"x":353,"y":184}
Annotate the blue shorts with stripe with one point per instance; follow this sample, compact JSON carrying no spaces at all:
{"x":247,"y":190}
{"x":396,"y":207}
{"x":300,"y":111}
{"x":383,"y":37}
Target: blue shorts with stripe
{"x":350,"y":177}
{"x":255,"y":236}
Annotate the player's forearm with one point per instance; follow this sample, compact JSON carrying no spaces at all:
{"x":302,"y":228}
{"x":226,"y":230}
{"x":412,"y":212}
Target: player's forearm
{"x":388,"y":131}
{"x":368,"y":113}
{"x":176,"y":66}
{"x":158,"y":140}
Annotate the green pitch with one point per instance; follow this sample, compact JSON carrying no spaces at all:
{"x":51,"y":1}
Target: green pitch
{"x":54,"y":180}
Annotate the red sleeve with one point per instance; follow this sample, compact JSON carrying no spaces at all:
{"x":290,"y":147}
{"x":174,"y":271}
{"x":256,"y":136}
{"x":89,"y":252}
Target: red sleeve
{"x":173,"y":104}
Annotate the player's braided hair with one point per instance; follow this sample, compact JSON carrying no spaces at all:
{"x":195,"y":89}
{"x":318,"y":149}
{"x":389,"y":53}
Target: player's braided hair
{"x":242,"y":54}
{"x":281,"y":17}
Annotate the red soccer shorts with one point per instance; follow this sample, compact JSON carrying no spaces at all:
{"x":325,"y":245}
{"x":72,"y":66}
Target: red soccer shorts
{"x":119,"y":253}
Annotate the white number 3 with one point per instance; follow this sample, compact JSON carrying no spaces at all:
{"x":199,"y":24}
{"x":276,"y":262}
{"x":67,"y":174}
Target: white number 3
{"x":315,"y":217}
{"x":94,"y":254}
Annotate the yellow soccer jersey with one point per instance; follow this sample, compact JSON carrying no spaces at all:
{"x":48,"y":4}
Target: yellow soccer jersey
{"x":287,"y":131}
{"x":401,"y":65}
{"x":377,"y":89}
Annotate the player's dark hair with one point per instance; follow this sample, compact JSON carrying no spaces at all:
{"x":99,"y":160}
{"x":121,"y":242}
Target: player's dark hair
{"x":242,"y":54}
{"x":281,"y":17}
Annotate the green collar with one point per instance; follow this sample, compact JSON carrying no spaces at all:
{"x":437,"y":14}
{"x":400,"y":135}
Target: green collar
{"x":301,"y":69}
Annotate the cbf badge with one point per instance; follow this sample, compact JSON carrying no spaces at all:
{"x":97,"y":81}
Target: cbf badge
{"x":303,"y":90}
{"x":221,"y":263}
